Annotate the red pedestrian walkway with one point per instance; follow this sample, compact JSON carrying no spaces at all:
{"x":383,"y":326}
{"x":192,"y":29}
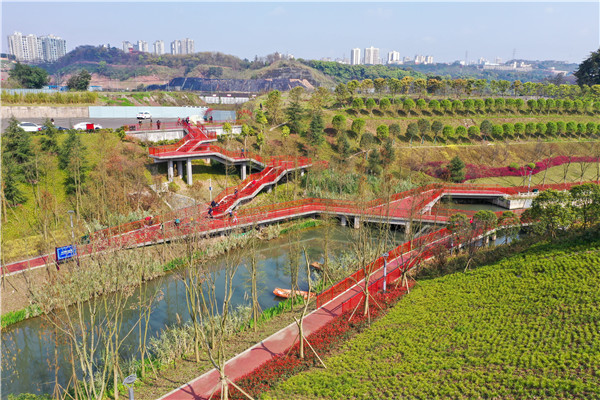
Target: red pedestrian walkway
{"x":203,"y":386}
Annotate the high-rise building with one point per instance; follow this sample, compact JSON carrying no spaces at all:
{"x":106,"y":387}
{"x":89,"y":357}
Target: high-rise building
{"x":429,"y":60}
{"x":159,"y":47}
{"x":34,"y":49}
{"x":372,"y":56}
{"x":52,"y":47}
{"x":393,"y":57}
{"x":127,"y":47}
{"x":184,"y":46}
{"x":187,"y":46}
{"x":142,"y":46}
{"x":176,"y":47}
{"x":355,"y":57}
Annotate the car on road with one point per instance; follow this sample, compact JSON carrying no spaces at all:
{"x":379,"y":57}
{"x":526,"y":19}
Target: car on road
{"x":144,"y":115}
{"x":83,"y":126}
{"x":30,"y":126}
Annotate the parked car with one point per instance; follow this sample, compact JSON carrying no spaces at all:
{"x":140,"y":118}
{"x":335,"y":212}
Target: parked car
{"x":59,"y":128}
{"x":83,"y":126}
{"x":144,"y":115}
{"x":30,"y":126}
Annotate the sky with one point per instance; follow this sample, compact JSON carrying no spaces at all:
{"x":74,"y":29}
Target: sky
{"x":565,"y":31}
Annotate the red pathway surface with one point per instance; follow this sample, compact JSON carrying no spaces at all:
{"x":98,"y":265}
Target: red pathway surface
{"x":203,"y":386}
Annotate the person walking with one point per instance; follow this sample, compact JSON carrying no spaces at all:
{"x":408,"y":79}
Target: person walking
{"x":158,"y":124}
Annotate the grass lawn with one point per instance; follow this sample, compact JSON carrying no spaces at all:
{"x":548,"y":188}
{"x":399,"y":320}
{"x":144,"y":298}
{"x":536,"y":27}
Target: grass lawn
{"x":524,"y":327}
{"x":575,"y":172}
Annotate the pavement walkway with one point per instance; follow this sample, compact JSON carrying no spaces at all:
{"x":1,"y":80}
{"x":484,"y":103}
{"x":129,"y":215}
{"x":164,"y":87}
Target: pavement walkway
{"x":202,"y":387}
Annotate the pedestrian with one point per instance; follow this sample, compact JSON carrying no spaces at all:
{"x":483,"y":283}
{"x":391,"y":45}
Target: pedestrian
{"x":210,"y":212}
{"x":140,"y":123}
{"x":235,"y":219}
{"x":235,"y":193}
{"x":150,"y":123}
{"x":158,"y":124}
{"x":178,"y":121}
{"x":231,"y":213}
{"x":52,"y":120}
{"x":177,"y":222}
{"x":213,"y":204}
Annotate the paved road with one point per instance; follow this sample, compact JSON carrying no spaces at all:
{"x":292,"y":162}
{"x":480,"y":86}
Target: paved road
{"x":105,"y":122}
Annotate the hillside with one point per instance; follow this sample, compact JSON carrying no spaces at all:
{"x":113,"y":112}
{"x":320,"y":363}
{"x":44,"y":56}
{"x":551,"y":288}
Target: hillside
{"x":522,"y":327}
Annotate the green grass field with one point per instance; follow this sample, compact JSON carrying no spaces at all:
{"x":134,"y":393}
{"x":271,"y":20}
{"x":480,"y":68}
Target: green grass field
{"x":524,"y":327}
{"x":575,"y":172}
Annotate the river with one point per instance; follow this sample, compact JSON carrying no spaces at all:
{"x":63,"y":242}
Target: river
{"x":32,"y":360}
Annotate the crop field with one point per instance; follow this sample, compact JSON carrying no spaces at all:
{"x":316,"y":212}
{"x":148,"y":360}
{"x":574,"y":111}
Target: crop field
{"x":524,"y":327}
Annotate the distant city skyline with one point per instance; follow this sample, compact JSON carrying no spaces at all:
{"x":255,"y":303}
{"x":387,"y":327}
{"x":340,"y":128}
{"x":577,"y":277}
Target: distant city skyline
{"x":447,"y":31}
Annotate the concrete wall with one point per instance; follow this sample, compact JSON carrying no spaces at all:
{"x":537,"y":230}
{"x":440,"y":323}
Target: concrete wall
{"x":235,"y":129}
{"x":155,"y":136}
{"x":25,"y":112}
{"x":156,"y":112}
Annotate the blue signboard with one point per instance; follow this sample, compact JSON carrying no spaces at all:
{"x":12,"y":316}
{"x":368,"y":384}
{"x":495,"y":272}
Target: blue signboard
{"x":65,"y":252}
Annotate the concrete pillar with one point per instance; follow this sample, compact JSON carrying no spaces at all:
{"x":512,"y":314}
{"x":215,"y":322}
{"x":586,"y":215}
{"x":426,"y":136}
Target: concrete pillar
{"x":356,"y":222}
{"x":494,"y":236}
{"x":343,"y":221}
{"x":180,"y":169}
{"x":269,"y":189}
{"x":486,"y":239}
{"x":302,"y":172}
{"x":243,"y":171}
{"x":189,"y":172}
{"x":407,"y":227}
{"x":170,"y":170}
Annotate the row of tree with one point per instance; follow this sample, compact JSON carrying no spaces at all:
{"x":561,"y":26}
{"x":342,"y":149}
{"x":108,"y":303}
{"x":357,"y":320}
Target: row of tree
{"x":460,"y":88}
{"x":477,"y":106}
{"x":32,"y":77}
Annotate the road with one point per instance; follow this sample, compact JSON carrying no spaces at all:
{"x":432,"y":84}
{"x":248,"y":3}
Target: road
{"x":113,"y":123}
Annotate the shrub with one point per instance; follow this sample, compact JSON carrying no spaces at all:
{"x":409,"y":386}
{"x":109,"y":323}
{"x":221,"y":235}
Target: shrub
{"x":173,"y":187}
{"x":513,"y":165}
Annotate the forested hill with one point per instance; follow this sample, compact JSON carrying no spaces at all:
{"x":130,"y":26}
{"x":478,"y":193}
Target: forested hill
{"x":344,"y":72}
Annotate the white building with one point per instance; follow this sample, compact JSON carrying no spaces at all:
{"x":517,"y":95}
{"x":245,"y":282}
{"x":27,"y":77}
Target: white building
{"x":52,"y":47}
{"x":187,"y":46}
{"x":159,"y":47}
{"x":176,"y":47}
{"x":355,"y":57}
{"x":142,"y":46}
{"x":393,"y":57}
{"x":127,"y":46}
{"x":34,"y":49}
{"x":372,"y":56}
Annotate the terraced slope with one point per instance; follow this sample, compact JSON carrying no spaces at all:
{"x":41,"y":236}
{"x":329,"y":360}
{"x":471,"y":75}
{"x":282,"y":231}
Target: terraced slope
{"x":524,"y":327}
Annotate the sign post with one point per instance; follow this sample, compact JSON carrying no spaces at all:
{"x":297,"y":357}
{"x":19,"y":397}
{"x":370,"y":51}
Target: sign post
{"x":65,"y":253}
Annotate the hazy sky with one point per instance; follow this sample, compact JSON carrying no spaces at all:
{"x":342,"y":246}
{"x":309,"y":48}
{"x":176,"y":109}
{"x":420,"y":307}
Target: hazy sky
{"x":446,"y":30}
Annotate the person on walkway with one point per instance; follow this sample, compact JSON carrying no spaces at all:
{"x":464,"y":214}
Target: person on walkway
{"x":213,"y":204}
{"x":231,"y":213}
{"x":178,"y":121}
{"x":235,"y":193}
{"x":158,"y":124}
{"x":235,"y":219}
{"x":177,"y":222}
{"x":140,"y":123}
{"x":210,"y":212}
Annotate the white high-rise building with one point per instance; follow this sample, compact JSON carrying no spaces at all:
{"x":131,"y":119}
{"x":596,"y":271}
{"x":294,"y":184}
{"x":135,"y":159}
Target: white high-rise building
{"x":393,"y":57}
{"x":372,"y":56}
{"x":187,"y":46}
{"x":355,"y":57}
{"x":429,"y":60}
{"x":176,"y":47}
{"x":127,"y":46}
{"x":52,"y":47}
{"x":159,"y":47}
{"x":142,"y":46}
{"x":33,"y":49}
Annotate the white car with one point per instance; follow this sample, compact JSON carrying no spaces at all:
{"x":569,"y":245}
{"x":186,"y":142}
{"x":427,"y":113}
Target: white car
{"x":144,"y":115}
{"x":30,"y":127}
{"x":83,"y":126}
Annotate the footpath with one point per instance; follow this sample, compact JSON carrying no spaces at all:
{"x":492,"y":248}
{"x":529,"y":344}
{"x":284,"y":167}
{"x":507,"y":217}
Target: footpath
{"x":205,"y":385}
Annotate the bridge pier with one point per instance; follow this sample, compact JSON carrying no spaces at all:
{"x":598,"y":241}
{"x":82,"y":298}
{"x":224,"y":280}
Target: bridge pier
{"x":170,"y":170}
{"x":180,"y":169}
{"x":356,"y":222}
{"x":343,"y":221}
{"x":243,"y":171}
{"x":189,"y":172}
{"x":494,"y":236}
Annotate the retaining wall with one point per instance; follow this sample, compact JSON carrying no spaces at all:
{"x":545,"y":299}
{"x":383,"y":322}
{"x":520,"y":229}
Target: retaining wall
{"x":27,"y":112}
